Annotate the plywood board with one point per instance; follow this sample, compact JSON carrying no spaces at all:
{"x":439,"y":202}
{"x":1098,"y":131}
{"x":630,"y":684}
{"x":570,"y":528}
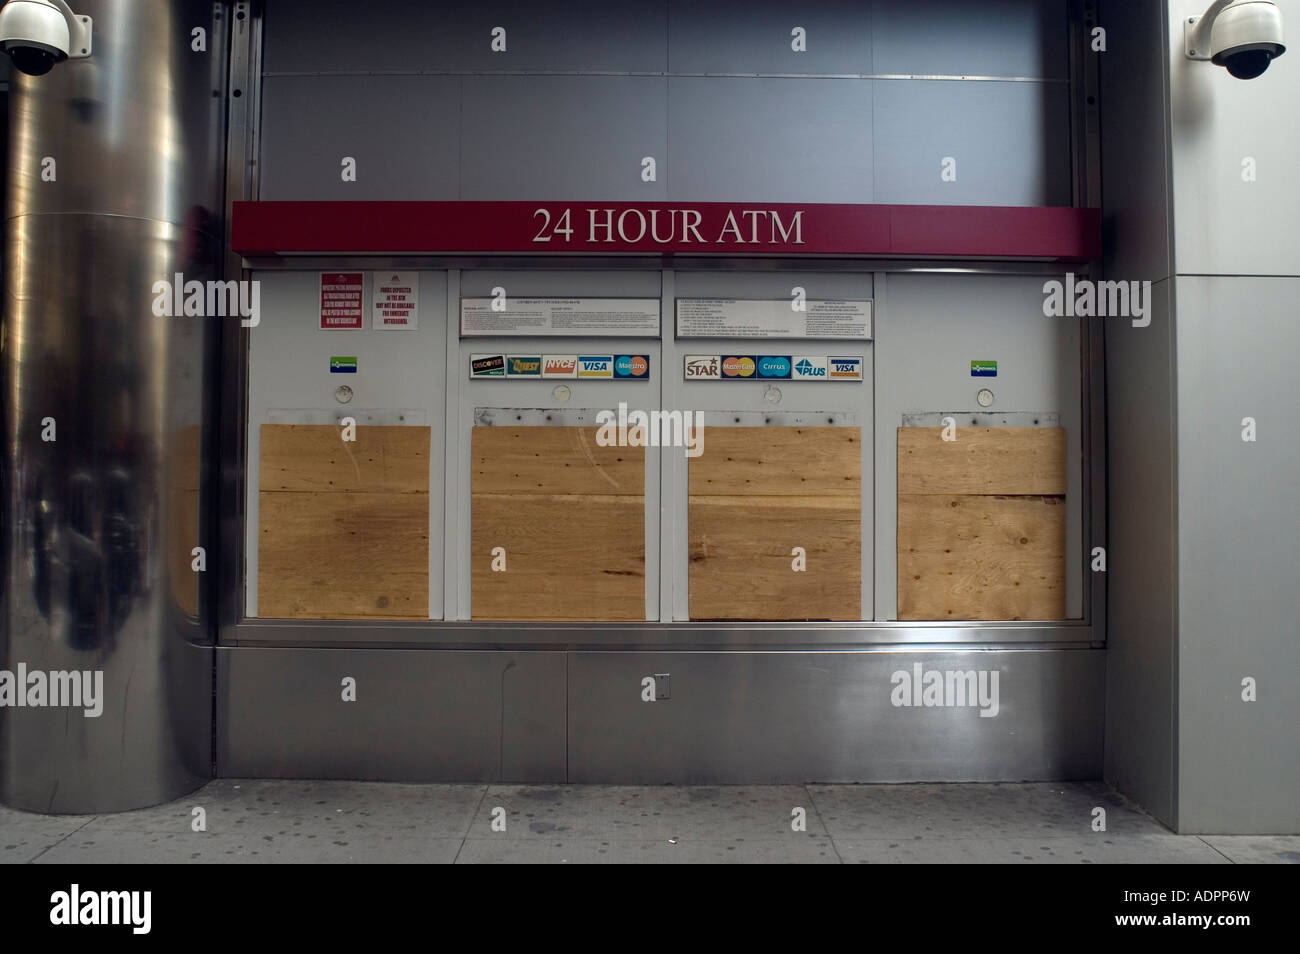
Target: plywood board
{"x":755,"y":494}
{"x":981,"y":557}
{"x":184,"y":467}
{"x":343,"y":526}
{"x":778,"y":460}
{"x":567,"y":556}
{"x":741,"y":562}
{"x":314,"y":457}
{"x":552,"y":460}
{"x":982,"y":460}
{"x":570,"y":517}
{"x":327,"y":555}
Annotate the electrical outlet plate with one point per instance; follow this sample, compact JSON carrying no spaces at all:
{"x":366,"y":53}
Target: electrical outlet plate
{"x":662,"y":686}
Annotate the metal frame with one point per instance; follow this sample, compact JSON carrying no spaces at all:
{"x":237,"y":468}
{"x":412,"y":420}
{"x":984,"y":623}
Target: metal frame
{"x":236,"y":630}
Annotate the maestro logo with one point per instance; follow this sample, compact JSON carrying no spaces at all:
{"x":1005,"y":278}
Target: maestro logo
{"x":773,"y":366}
{"x":846,"y":369}
{"x":738,"y":366}
{"x":631,"y":366}
{"x":559,"y":365}
{"x":524,"y":365}
{"x":809,"y":367}
{"x":703,"y":367}
{"x":596,"y":366}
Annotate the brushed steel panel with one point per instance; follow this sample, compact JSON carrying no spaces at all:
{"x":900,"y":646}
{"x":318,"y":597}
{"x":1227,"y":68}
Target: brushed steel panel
{"x":99,"y":524}
{"x":791,"y":717}
{"x":419,"y":715}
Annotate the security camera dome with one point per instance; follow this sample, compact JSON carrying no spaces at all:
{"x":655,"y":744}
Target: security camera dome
{"x":1247,"y":37}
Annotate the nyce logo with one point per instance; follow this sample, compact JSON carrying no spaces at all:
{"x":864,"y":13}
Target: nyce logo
{"x":102,"y":907}
{"x":948,"y":687}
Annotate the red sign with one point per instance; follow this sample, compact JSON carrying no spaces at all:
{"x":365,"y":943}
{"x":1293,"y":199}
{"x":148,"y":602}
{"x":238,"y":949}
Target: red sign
{"x":340,"y":299}
{"x":667,"y":229}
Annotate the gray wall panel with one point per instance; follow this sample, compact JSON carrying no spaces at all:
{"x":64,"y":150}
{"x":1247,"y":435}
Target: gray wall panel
{"x":1238,"y":555}
{"x":396,"y":127}
{"x":324,"y":35}
{"x":1141,"y":544}
{"x":796,"y":717}
{"x":419,"y":715}
{"x":562,"y":137}
{"x":1011,"y":142}
{"x":1224,"y":225}
{"x":989,"y":38}
{"x":779,"y":140}
{"x":754,"y":36}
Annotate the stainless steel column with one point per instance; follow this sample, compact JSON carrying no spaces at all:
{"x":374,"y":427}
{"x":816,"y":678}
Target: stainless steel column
{"x":98,"y":524}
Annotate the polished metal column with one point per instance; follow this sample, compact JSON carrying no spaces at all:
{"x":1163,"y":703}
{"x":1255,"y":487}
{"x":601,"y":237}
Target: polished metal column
{"x":114,"y":183}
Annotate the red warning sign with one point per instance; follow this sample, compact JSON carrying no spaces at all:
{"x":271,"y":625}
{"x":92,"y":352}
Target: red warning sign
{"x":340,"y":299}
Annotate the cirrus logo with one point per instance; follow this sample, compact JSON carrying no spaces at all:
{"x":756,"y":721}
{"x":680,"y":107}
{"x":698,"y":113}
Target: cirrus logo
{"x":773,"y":366}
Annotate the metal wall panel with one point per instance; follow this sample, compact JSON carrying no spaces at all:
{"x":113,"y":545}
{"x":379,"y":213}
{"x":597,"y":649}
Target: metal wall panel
{"x":324,"y":35}
{"x":778,"y":140}
{"x":1011,"y":142}
{"x":560,"y":137}
{"x":395,"y":127}
{"x":827,"y":717}
{"x":928,"y":330}
{"x":1142,"y":568}
{"x":419,"y":716}
{"x":1238,"y":555}
{"x":1225,"y":225}
{"x":754,"y":36}
{"x":956,"y":37}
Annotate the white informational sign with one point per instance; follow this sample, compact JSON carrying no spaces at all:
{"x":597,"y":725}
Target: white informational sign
{"x":561,"y":317}
{"x":396,"y":300}
{"x":778,"y":318}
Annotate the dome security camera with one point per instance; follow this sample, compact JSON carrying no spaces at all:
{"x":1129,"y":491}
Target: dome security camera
{"x":1243,"y":36}
{"x":39,"y":33}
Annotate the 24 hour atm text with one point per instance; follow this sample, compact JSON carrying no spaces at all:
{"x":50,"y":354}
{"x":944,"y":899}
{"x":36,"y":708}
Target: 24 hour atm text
{"x":609,"y":226}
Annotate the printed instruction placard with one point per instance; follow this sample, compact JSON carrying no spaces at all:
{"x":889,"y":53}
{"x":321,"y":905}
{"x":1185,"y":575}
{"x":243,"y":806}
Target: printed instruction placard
{"x":340,"y":299}
{"x":560,"y":317}
{"x":396,"y":300}
{"x":775,"y":318}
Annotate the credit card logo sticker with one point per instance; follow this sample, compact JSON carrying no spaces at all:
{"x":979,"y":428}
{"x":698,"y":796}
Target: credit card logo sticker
{"x":738,"y":366}
{"x":598,"y":366}
{"x":632,"y":366}
{"x":343,"y":365}
{"x":983,"y":369}
{"x":703,"y":367}
{"x":773,"y":366}
{"x":559,"y":365}
{"x":487,"y":366}
{"x":810,"y":368}
{"x":845,"y":369}
{"x":527,"y":366}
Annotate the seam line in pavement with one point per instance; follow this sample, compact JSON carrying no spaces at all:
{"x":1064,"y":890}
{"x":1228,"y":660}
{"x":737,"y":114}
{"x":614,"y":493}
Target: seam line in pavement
{"x":477,"y":808}
{"x":825,"y":827}
{"x":1214,"y":849}
{"x":32,"y":860}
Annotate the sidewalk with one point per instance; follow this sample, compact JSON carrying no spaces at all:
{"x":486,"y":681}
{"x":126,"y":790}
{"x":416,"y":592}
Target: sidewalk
{"x":323,"y":821}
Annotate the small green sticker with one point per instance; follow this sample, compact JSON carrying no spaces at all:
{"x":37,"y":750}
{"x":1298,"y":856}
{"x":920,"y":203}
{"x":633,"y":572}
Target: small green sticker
{"x":343,"y":365}
{"x":983,"y":369}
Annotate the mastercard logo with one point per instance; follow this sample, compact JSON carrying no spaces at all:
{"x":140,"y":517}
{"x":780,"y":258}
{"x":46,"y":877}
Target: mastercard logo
{"x":740,"y":367}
